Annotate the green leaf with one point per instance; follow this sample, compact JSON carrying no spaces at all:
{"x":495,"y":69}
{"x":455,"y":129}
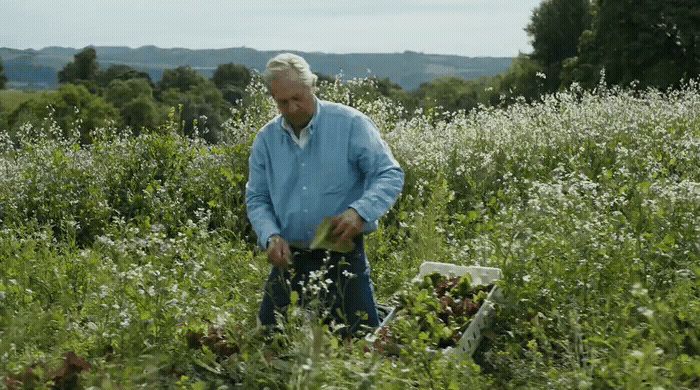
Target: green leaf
{"x":669,"y":240}
{"x":324,"y":238}
{"x":645,"y":185}
{"x":199,"y":385}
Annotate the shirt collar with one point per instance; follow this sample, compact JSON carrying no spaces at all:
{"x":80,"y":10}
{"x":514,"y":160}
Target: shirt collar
{"x":309,"y":126}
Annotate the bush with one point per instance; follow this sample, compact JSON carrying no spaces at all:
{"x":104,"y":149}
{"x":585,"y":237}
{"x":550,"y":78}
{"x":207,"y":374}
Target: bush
{"x":71,"y":111}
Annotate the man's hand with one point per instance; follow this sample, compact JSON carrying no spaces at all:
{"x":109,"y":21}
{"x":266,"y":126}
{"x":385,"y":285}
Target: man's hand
{"x":346,"y":225}
{"x":278,"y":252}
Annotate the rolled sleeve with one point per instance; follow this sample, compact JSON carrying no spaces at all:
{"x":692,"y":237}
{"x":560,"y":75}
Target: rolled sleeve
{"x":257,"y":195}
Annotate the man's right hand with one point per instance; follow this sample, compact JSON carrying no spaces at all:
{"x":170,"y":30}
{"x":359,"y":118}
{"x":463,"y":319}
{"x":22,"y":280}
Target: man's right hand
{"x":278,"y":252}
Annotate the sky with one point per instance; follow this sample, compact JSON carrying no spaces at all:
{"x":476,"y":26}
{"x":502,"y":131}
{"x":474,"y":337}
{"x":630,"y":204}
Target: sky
{"x":473,"y":28}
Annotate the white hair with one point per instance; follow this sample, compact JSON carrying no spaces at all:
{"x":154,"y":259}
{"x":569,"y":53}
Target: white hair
{"x":291,"y":65}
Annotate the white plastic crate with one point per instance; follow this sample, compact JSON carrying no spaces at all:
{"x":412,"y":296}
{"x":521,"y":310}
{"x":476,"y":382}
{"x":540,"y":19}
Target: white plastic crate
{"x":483,"y":318}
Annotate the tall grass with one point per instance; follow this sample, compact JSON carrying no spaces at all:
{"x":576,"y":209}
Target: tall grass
{"x":10,"y":99}
{"x":588,"y":201}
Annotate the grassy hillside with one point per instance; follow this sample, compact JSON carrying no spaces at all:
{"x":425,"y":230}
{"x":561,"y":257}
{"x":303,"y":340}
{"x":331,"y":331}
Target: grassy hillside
{"x":10,"y":99}
{"x":135,"y":253}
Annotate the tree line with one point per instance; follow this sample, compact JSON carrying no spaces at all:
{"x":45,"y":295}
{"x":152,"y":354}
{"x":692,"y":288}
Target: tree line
{"x":3,"y":78}
{"x":633,"y":43}
{"x":125,"y":97}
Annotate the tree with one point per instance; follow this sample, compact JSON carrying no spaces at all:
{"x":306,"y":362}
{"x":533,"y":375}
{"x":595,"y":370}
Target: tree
{"x":140,"y":113}
{"x":374,"y":88}
{"x":200,"y":118}
{"x":3,"y":78}
{"x":202,"y":105}
{"x":231,"y":80}
{"x":322,"y":77}
{"x":231,"y":74}
{"x":83,"y":68}
{"x":646,"y":43}
{"x":233,"y":94}
{"x":449,"y":93}
{"x":393,"y":91}
{"x":523,"y":79}
{"x":181,"y":78}
{"x":120,"y":92}
{"x":72,"y":108}
{"x":134,"y":99}
{"x":555,"y":28}
{"x":120,"y":72}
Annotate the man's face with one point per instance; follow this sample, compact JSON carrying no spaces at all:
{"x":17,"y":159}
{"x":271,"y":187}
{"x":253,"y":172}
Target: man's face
{"x":294,"y":100}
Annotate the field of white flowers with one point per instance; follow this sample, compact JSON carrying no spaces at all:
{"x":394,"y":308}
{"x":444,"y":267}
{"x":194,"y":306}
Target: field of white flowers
{"x":134,"y":253}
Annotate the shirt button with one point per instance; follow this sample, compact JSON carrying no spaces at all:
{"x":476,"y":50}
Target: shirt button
{"x":303,"y":188}
{"x":306,"y":210}
{"x":303,"y":164}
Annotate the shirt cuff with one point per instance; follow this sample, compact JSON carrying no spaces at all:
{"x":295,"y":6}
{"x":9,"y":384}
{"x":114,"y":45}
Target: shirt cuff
{"x":367,"y":226}
{"x":265,"y":239}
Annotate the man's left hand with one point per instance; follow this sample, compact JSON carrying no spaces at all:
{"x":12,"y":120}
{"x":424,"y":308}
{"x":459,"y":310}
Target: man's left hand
{"x":347,"y":225}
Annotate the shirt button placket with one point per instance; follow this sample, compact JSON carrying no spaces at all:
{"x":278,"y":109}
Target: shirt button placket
{"x":303,"y":175}
{"x":305,"y":199}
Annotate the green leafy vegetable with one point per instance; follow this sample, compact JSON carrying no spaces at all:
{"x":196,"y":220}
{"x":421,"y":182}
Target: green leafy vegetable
{"x":324,"y":238}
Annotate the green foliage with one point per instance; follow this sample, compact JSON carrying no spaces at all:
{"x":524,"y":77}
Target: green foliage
{"x":125,"y":249}
{"x":182,"y":78}
{"x":200,"y":105}
{"x":231,"y":74}
{"x":83,"y":68}
{"x":523,"y":81}
{"x":583,"y":42}
{"x":10,"y":99}
{"x":555,"y":28}
{"x":231,"y":79}
{"x":120,"y":92}
{"x":587,"y":43}
{"x":450,"y":93}
{"x":69,"y":111}
{"x":120,"y":72}
{"x":141,"y":112}
{"x":3,"y":78}
{"x":324,"y":239}
{"x":440,"y":307}
{"x":134,"y":99}
{"x":375,"y":88}
{"x":654,"y":46}
{"x":324,"y":77}
{"x":232,"y":94}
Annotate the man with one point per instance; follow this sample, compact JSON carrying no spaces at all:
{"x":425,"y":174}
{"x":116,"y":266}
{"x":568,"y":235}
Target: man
{"x":317,"y":159}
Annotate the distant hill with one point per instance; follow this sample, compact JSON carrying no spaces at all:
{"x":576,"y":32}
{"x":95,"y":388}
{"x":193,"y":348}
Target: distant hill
{"x":36,"y":69}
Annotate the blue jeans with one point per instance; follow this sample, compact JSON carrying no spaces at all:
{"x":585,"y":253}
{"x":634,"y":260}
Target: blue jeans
{"x":349,"y":296}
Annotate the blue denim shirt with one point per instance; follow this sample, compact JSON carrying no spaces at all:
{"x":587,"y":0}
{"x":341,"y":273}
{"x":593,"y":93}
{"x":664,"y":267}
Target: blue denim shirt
{"x":345,"y":163}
